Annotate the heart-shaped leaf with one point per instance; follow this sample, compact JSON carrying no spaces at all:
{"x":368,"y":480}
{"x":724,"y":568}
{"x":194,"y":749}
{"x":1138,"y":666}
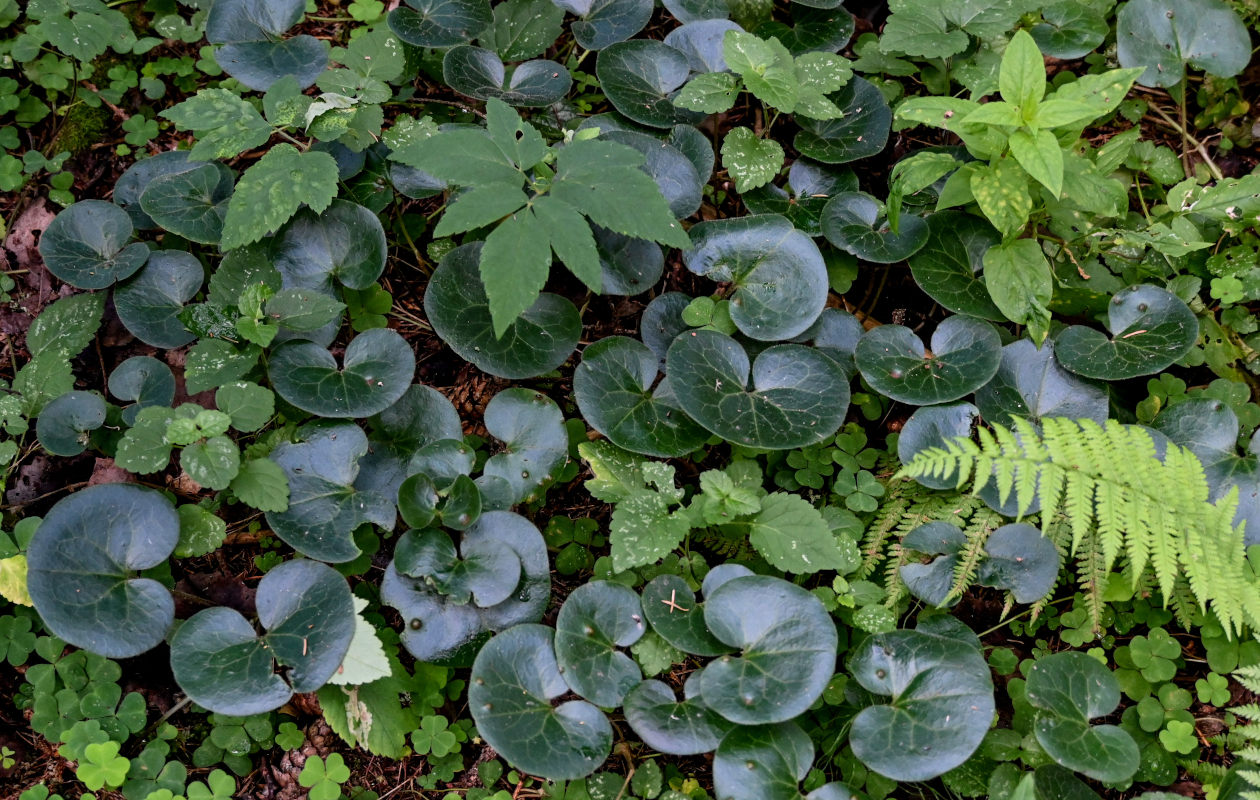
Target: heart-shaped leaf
{"x":192,"y":203}
{"x":536,"y":342}
{"x":1070,"y":30}
{"x":855,"y":222}
{"x":345,"y":243}
{"x":1151,"y":328}
{"x":686,"y":11}
{"x":629,"y":266}
{"x":837,"y":333}
{"x":819,"y":29}
{"x":480,"y":571}
{"x":965,"y":355}
{"x":434,"y":629}
{"x":535,"y":443}
{"x":667,"y":725}
{"x":515,"y":680}
{"x":948,"y":265}
{"x":701,"y":42}
{"x":616,"y":391}
{"x":940,"y":703}
{"x":797,"y":396}
{"x":810,"y":185}
{"x":421,"y":417}
{"x":1021,"y":560}
{"x":143,"y":380}
{"x":86,"y":245}
{"x":662,"y":322}
{"x":479,"y":73}
{"x":81,"y":566}
{"x":148,"y":304}
{"x":440,"y":23}
{"x":787,"y":645}
{"x":779,"y":276}
{"x":1068,"y":690}
{"x":1030,"y":384}
{"x":224,"y":665}
{"x":641,"y":79}
{"x":601,"y":23}
{"x":596,"y":619}
{"x":529,"y":599}
{"x":324,"y":505}
{"x":64,"y":424}
{"x":767,"y":762}
{"x":252,"y":20}
{"x":673,"y":172}
{"x":678,"y":617}
{"x":375,"y":371}
{"x":131,"y":185}
{"x":1165,"y":36}
{"x":259,"y":65}
{"x":932,"y":582}
{"x":932,"y":426}
{"x":861,"y":132}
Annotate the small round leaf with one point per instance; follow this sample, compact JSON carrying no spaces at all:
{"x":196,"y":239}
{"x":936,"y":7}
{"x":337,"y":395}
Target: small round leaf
{"x":965,"y":355}
{"x":64,"y":424}
{"x":595,"y":620}
{"x":678,"y":617}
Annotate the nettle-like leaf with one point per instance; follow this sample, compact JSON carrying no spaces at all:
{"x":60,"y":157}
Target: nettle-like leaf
{"x":224,"y":665}
{"x":809,"y":186}
{"x":1068,"y":690}
{"x":375,"y":372}
{"x":668,"y":725}
{"x":596,"y":619}
{"x":252,"y":51}
{"x":965,"y":355}
{"x":790,"y":396}
{"x":642,"y":78}
{"x":65,"y":423}
{"x":479,"y":73}
{"x":602,"y":23}
{"x":82,"y":564}
{"x":86,"y":245}
{"x":226,"y":125}
{"x":1030,"y":383}
{"x":948,"y":267}
{"x":787,"y":650}
{"x":856,"y":223}
{"x":1151,"y":328}
{"x":862,"y":131}
{"x":271,"y":191}
{"x":515,"y":680}
{"x":1166,"y":36}
{"x":779,"y":276}
{"x":940,"y":702}
{"x":148,"y":303}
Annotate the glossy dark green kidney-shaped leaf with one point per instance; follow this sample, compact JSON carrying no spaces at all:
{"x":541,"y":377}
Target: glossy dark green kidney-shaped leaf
{"x":224,"y":665}
{"x":949,"y":263}
{"x":931,"y":426}
{"x":641,"y":79}
{"x":779,"y":275}
{"x":837,"y":333}
{"x":787,"y":650}
{"x":258,"y":65}
{"x":529,"y":600}
{"x":150,"y":301}
{"x":675,"y":613}
{"x":86,"y":245}
{"x":601,"y":23}
{"x":940,"y":703}
{"x":616,"y":391}
{"x":145,"y":382}
{"x":136,"y":179}
{"x":486,"y":575}
{"x":82,"y":562}
{"x":345,"y":243}
{"x":674,"y":173}
{"x":1151,"y":328}
{"x":1070,"y":30}
{"x":662,"y":321}
{"x":191,"y":203}
{"x":855,"y":222}
{"x":324,"y":505}
{"x":797,"y":395}
{"x":931,"y":582}
{"x":421,"y":417}
{"x":630,"y":266}
{"x":767,"y":762}
{"x":1031,"y":384}
{"x":435,"y":630}
{"x":251,"y":20}
{"x":515,"y":680}
{"x":440,"y":23}
{"x":375,"y":371}
{"x":861,"y":132}
{"x":811,"y":186}
{"x":965,"y":355}
{"x":596,"y":619}
{"x":686,"y":11}
{"x":479,"y":73}
{"x":1068,"y":690}
{"x":64,"y":424}
{"x":1020,"y":560}
{"x":1166,"y":36}
{"x":668,"y":725}
{"x":535,"y":443}
{"x":818,"y":29}
{"x":536,"y":342}
{"x":701,"y":42}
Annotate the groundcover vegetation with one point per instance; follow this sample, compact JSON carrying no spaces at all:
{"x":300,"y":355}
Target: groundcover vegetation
{"x":598,"y":400}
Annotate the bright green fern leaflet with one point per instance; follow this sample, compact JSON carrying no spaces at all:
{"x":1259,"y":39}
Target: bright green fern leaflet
{"x":1119,"y":498}
{"x":1245,"y":739}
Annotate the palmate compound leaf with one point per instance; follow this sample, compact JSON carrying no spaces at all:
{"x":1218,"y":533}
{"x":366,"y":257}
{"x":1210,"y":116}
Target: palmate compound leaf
{"x":86,"y":245}
{"x":148,"y":303}
{"x":618,"y":394}
{"x":224,"y":665}
{"x":940,"y":703}
{"x":1166,"y":36}
{"x":375,"y":372}
{"x":515,"y":679}
{"x":535,"y":443}
{"x":798,"y":395}
{"x":82,"y":562}
{"x":641,"y":78}
{"x":779,"y":276}
{"x":855,"y":222}
{"x":1151,"y":328}
{"x":1068,"y":690}
{"x":965,"y":355}
{"x":595,"y":621}
{"x":787,"y":650}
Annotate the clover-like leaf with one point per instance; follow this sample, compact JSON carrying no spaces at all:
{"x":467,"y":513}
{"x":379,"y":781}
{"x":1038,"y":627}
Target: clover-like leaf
{"x":932,"y":582}
{"x":1166,"y":36}
{"x":810,"y":185}
{"x":1068,"y":690}
{"x":375,"y":371}
{"x":1151,"y":328}
{"x":191,"y":203}
{"x":536,"y":342}
{"x":641,"y":78}
{"x":148,"y":303}
{"x":861,"y":132}
{"x":596,"y":619}
{"x":787,"y":650}
{"x":81,"y":566}
{"x":86,"y":245}
{"x":515,"y":680}
{"x":617,"y":392}
{"x":779,"y":276}
{"x":535,"y":443}
{"x":344,"y":243}
{"x":1031,"y":384}
{"x":1021,"y":560}
{"x":224,"y":665}
{"x":767,"y":762}
{"x":855,"y":222}
{"x":668,"y":725}
{"x":675,"y":613}
{"x":948,"y":265}
{"x":479,"y":73}
{"x":601,"y":23}
{"x":797,"y":395}
{"x":940,"y":703}
{"x":440,"y":23}
{"x":965,"y":355}
{"x":65,"y":423}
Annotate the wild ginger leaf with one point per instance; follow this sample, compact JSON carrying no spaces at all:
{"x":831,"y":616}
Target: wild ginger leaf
{"x":272,"y":191}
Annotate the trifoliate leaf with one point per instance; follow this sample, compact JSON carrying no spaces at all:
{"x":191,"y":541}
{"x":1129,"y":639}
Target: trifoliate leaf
{"x":272,"y":191}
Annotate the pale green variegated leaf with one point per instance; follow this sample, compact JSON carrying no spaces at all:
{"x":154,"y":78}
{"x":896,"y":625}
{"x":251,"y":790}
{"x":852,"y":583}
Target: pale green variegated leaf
{"x":271,"y":191}
{"x":751,"y":161}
